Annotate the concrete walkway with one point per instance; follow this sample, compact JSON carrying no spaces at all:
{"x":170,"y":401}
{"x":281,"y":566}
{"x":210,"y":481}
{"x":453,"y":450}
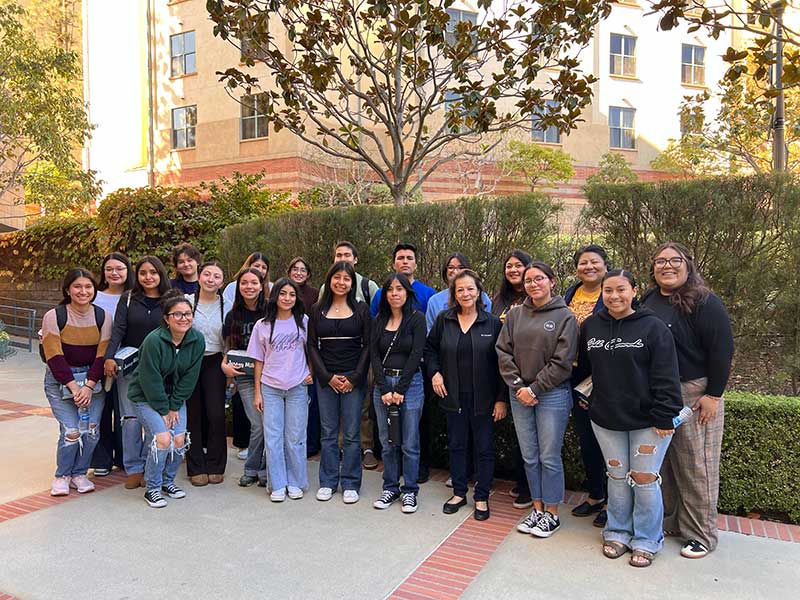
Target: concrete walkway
{"x":229,"y":542}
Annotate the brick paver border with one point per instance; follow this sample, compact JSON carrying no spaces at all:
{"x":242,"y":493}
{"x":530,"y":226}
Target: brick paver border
{"x":20,"y":410}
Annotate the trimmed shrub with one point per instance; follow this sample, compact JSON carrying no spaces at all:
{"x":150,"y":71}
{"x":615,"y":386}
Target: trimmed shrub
{"x":485,"y":230}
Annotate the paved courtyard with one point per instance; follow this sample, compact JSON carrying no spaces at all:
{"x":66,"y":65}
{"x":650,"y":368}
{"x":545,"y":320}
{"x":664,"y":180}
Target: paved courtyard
{"x":229,"y":542}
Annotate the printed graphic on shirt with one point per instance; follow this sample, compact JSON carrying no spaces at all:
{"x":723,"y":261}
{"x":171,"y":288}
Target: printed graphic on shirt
{"x":285,"y":342}
{"x":549,"y":325}
{"x":613,"y":344}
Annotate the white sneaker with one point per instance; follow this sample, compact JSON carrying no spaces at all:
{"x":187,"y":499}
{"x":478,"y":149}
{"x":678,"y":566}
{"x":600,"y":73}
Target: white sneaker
{"x":449,"y":482}
{"x":81,"y":483}
{"x":295,"y":493}
{"x":278,"y":495}
{"x":242,"y":454}
{"x":324,"y":494}
{"x":350,"y":496}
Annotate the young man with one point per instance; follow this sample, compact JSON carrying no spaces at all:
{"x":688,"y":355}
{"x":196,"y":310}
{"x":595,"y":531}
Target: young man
{"x":405,"y":261}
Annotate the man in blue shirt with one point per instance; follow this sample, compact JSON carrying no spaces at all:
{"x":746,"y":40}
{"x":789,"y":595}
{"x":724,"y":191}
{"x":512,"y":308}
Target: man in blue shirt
{"x":452,"y":266}
{"x":405,"y":261}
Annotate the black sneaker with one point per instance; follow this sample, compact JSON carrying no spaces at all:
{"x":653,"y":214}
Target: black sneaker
{"x":546,"y":526}
{"x":694,"y":549}
{"x":247,"y":480}
{"x":173,"y":491}
{"x":386,"y":500}
{"x":528,"y":523}
{"x":154,"y":499}
{"x":522,"y":501}
{"x":409,"y":502}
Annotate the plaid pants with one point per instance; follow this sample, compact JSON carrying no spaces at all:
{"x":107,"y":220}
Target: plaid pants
{"x":690,"y":473}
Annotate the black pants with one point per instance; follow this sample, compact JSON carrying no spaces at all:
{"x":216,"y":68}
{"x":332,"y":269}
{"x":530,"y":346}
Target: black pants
{"x":519,"y":470}
{"x":108,"y":452}
{"x":207,"y":402}
{"x":313,"y":430}
{"x":591,"y":454}
{"x":459,"y":426}
{"x":241,"y":424}
{"x":425,"y":436}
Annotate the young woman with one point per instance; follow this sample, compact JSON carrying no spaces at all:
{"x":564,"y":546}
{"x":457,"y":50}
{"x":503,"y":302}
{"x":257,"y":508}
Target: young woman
{"x":170,"y":359}
{"x":138,"y":313}
{"x":299,"y":271}
{"x":511,"y":294}
{"x":636,"y":393}
{"x":338,"y":349}
{"x":278,"y":345}
{"x":205,"y":409}
{"x":536,"y":349}
{"x":257,"y":261}
{"x":398,"y":341}
{"x":74,"y":338}
{"x":186,"y":259}
{"x":585,"y":299}
{"x":461,"y":358}
{"x":248,"y":307}
{"x":116,"y":277}
{"x":702,"y":331}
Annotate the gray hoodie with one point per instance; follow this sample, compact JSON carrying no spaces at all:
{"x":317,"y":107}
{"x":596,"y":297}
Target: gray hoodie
{"x":537,"y":346}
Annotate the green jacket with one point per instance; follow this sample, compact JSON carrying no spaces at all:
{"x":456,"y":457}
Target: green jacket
{"x":161,"y":362}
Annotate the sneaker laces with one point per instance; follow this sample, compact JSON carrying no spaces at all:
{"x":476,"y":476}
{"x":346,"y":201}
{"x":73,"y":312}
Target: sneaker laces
{"x":547,"y":521}
{"x":532,"y":519}
{"x":387,"y":496}
{"x":409,"y":500}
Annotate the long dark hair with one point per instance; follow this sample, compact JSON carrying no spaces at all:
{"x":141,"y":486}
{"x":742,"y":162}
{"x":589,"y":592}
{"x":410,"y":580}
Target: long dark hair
{"x":472,"y":274}
{"x":692,"y":293}
{"x":385,"y":310}
{"x":169,"y":300}
{"x":203,"y":267}
{"x":507,"y":292}
{"x":327,"y":294}
{"x":461,"y":258}
{"x":188,"y":250}
{"x":271,"y":311}
{"x":163,"y":279}
{"x":544,"y":268}
{"x":103,"y":285}
{"x":70,"y":277}
{"x":237,"y":313}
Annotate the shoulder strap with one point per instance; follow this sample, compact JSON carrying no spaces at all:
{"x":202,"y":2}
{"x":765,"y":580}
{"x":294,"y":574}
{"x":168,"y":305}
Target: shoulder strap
{"x":99,"y":317}
{"x":61,"y":316}
{"x":365,"y":289}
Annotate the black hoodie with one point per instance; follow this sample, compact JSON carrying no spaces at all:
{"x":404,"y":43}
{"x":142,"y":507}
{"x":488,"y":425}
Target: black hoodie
{"x":634,"y":371}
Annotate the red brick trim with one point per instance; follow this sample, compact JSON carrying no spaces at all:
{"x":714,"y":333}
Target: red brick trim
{"x":20,"y":410}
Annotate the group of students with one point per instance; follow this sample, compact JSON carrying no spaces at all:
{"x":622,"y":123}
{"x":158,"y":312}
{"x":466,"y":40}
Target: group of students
{"x":625,"y":368}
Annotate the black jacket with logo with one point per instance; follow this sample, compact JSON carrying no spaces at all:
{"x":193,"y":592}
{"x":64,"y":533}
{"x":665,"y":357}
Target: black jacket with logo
{"x":634,"y":371}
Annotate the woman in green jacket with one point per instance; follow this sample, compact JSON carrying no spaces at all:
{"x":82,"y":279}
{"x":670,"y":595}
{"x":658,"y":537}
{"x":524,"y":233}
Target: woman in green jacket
{"x":169,"y":365}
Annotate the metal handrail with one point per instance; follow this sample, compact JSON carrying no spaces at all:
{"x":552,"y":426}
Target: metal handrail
{"x":19,"y":322}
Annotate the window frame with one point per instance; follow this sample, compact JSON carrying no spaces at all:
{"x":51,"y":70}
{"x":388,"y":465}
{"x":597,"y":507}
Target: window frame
{"x":186,"y":129}
{"x":457,"y":15}
{"x":622,"y":58}
{"x":693,"y":66}
{"x":541,"y":135}
{"x":257,"y":118}
{"x":620,"y":126}
{"x":182,"y":56}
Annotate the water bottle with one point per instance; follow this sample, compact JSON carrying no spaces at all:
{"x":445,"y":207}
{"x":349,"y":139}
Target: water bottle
{"x":229,"y":391}
{"x":393,"y":417}
{"x":83,"y":419}
{"x":686,"y":413}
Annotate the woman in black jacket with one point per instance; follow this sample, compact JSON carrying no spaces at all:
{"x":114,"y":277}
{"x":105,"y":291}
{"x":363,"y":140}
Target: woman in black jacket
{"x":461,"y":360}
{"x":398,"y":340}
{"x":631,"y":357}
{"x":138,"y":313}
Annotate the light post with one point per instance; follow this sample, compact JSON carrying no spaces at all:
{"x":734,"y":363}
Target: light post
{"x":778,"y":142}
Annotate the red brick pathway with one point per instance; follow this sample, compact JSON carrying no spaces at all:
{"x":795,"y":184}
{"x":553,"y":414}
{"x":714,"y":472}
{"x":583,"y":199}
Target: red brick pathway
{"x":19,"y":411}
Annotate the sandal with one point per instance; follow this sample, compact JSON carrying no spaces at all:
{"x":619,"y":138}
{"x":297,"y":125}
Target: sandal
{"x":614,"y":549}
{"x":641,"y":559}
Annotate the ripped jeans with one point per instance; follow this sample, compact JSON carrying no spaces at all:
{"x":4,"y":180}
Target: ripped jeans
{"x":74,"y":451}
{"x":162,"y":464}
{"x":635,"y":510}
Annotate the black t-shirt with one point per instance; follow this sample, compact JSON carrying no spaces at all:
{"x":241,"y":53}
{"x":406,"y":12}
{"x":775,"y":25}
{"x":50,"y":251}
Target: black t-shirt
{"x":340,"y":343}
{"x":242,"y":337}
{"x":150,"y":303}
{"x":464,"y":362}
{"x":401,"y":349}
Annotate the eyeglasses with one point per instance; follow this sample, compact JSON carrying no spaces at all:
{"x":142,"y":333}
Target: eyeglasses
{"x":181,"y":316}
{"x":299,"y":270}
{"x":675,"y":262}
{"x":536,"y":280}
{"x":455,"y":267}
{"x":115,"y":269}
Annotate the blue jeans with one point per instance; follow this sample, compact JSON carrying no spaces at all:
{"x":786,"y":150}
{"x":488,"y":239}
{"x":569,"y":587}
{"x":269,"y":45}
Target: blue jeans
{"x":285,"y":421}
{"x":256,"y":463}
{"x":410,"y":414}
{"x":635,"y":510}
{"x":540,"y":431}
{"x":334,"y":406}
{"x":134,"y":449}
{"x":162,"y":464}
{"x":73,"y":457}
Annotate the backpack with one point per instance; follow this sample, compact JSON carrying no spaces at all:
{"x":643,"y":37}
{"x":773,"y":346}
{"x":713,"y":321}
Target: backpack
{"x":365,"y":290}
{"x":61,"y":320}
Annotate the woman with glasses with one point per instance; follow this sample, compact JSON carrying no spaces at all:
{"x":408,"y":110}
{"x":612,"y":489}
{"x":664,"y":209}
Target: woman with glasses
{"x":138,"y":313}
{"x":170,"y":359}
{"x":536,"y":350}
{"x":116,"y":278}
{"x":701,"y":328}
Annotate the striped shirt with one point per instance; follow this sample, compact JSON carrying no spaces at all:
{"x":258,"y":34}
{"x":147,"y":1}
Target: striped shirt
{"x":79,"y":344}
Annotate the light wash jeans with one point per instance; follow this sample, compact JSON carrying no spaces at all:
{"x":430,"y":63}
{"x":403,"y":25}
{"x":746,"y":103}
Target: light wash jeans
{"x":285,"y":421}
{"x":256,"y":463}
{"x":333,"y":408}
{"x":410,"y":414}
{"x":635,"y":510}
{"x":134,"y":448}
{"x":73,"y":458}
{"x":540,"y":432}
{"x":162,"y":464}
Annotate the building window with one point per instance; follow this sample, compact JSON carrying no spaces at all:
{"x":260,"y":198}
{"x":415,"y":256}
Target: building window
{"x":693,"y":65}
{"x":182,"y":51}
{"x":453,"y":101}
{"x":184,"y":123}
{"x":457,"y":16}
{"x":254,"y":122}
{"x":621,"y":127}
{"x":548,"y":135}
{"x":623,"y":55}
